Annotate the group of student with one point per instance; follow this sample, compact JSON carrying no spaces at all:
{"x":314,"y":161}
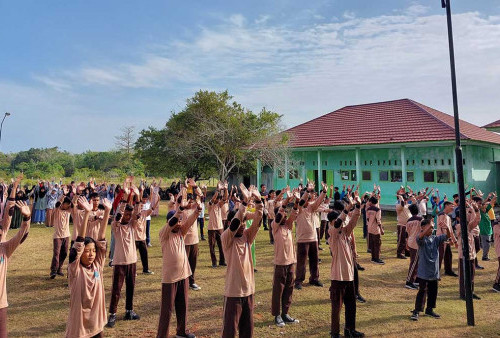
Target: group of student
{"x":235,"y":217}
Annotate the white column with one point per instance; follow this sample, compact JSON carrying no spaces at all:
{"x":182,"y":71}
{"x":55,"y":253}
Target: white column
{"x":403,"y":165}
{"x":320,"y":174}
{"x":358,"y":167}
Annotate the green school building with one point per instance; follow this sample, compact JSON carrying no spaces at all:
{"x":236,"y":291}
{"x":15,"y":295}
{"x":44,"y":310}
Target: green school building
{"x":392,"y":143}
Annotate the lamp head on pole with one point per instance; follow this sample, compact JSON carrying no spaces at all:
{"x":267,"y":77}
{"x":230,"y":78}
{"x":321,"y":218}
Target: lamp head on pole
{"x":7,"y":114}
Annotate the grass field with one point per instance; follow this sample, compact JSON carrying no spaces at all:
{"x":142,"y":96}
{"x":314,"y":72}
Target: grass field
{"x":39,"y":306}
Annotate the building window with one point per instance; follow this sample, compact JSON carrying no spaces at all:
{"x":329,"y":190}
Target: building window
{"x":345,"y":162}
{"x":371,"y":162}
{"x":396,"y":176}
{"x":413,"y":162}
{"x":407,"y":162}
{"x":443,"y":176}
{"x":353,"y":175}
{"x":428,"y":162}
{"x":314,"y":162}
{"x":389,"y":162}
{"x":383,"y":175}
{"x":294,"y":174}
{"x":442,"y":162}
{"x":422,"y":162}
{"x":452,"y":174}
{"x":378,"y":162}
{"x":463,"y":161}
{"x":365,"y":162}
{"x":281,"y":173}
{"x":344,"y":174}
{"x":326,"y":163}
{"x":350,"y":162}
{"x":428,"y":176}
{"x":366,"y":175}
{"x":301,"y":162}
{"x":449,"y":161}
{"x":410,"y":176}
{"x":340,"y":164}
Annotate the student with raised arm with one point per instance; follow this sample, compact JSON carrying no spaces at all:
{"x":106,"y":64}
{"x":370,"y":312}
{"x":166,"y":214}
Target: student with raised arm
{"x":9,"y":209}
{"x":444,"y":223}
{"x":6,"y":250}
{"x":191,"y":238}
{"x":428,"y":268}
{"x":215,"y":226}
{"x":240,"y":280}
{"x":342,"y":289}
{"x":375,"y":229}
{"x":87,"y":308}
{"x":176,"y":270}
{"x":413,"y":228}
{"x":61,"y":238}
{"x":284,"y":264}
{"x":140,"y":233}
{"x":125,"y":255}
{"x":307,"y":239}
{"x":403,"y":213}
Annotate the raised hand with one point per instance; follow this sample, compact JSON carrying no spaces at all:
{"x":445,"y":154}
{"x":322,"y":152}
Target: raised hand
{"x":324,"y":186}
{"x":107,"y":204}
{"x":83,"y":203}
{"x":65,"y":190}
{"x":24,"y":208}
{"x":255,"y":192}
{"x":191,"y":182}
{"x":244,"y":192}
{"x":18,"y":179}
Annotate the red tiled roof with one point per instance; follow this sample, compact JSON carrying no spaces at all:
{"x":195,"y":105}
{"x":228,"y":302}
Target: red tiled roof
{"x":495,"y":124}
{"x":384,"y":122}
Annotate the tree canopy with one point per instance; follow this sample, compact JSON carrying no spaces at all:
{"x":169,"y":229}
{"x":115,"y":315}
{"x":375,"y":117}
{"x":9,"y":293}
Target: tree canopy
{"x":212,"y":136}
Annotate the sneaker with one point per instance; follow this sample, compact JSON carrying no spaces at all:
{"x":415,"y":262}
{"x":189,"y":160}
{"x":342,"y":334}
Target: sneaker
{"x":414,"y":315}
{"x":111,"y":320}
{"x":186,"y":335}
{"x":131,"y":315}
{"x":271,"y":242}
{"x":368,"y":251}
{"x":452,"y":274}
{"x":479,"y":267}
{"x":430,"y":312}
{"x":223,"y":264}
{"x":476,"y":297}
{"x":194,"y":287}
{"x":410,"y":285}
{"x":401,"y":257}
{"x":279,"y":321}
{"x":59,"y":273}
{"x":319,"y":261}
{"x":335,"y":335}
{"x":316,"y":283}
{"x":298,"y":286}
{"x":486,"y":259}
{"x":360,"y":268}
{"x":417,"y":284}
{"x":148,"y":272}
{"x":52,"y":275}
{"x":150,"y":245}
{"x":289,"y":320}
{"x":203,"y":238}
{"x":496,"y":287}
{"x":353,"y":333}
{"x":214,"y":266}
{"x":110,"y":263}
{"x":378,"y":261}
{"x":255,"y":270}
{"x":360,"y":299}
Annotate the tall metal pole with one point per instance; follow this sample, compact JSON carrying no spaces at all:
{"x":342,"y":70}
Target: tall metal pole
{"x":460,"y":175}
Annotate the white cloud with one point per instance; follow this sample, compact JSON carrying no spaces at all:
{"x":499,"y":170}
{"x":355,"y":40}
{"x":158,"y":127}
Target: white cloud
{"x":262,"y":19}
{"x":303,"y":72}
{"x":349,"y":15}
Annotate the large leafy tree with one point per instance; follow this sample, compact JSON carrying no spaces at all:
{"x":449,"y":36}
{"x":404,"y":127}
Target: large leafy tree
{"x":212,"y":136}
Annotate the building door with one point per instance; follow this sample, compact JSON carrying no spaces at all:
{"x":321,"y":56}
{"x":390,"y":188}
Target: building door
{"x":267,"y":179}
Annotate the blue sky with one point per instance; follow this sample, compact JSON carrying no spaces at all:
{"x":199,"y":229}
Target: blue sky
{"x":72,"y":73}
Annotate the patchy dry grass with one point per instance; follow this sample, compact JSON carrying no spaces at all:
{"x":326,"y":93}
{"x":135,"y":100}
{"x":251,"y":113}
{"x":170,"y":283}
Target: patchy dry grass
{"x":39,"y":306}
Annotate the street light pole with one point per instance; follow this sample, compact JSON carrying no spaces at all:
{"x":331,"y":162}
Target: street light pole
{"x":1,"y":125}
{"x":460,"y":175}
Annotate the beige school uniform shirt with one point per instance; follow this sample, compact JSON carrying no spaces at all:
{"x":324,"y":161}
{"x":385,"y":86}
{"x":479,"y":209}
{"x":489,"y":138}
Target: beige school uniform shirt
{"x":240,"y":279}
{"x":140,"y":228}
{"x":6,"y":221}
{"x":175,"y":262}
{"x":191,"y":237}
{"x":87,"y":307}
{"x":472,"y":219}
{"x":402,"y":214}
{"x":94,"y":224}
{"x":224,"y":210}
{"x":61,"y":223}
{"x":215,"y":217}
{"x":284,"y":249}
{"x":373,"y":220}
{"x":125,"y":249}
{"x":413,"y":228}
{"x":496,"y":238}
{"x":270,"y":205}
{"x":6,"y":250}
{"x":342,"y":267}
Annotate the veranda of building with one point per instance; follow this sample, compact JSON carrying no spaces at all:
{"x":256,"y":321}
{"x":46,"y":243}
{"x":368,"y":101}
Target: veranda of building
{"x":390,"y":144}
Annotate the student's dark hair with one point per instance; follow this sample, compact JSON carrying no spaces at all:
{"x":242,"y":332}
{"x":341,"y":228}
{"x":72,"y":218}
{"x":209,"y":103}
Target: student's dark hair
{"x":445,"y":204}
{"x":278,"y":192}
{"x":455,"y":196}
{"x":73,"y":253}
{"x":67,"y":200}
{"x":93,"y":195}
{"x":332,"y":215}
{"x":336,"y":188}
{"x":278,"y":218}
{"x":276,"y":210}
{"x":145,"y":195}
{"x":179,"y":199}
{"x":271,"y":191}
{"x":413,"y":209}
{"x":262,"y":185}
{"x":338,"y":205}
{"x":425,"y":222}
{"x":477,"y":199}
{"x":373,"y":200}
{"x":128,"y":207}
